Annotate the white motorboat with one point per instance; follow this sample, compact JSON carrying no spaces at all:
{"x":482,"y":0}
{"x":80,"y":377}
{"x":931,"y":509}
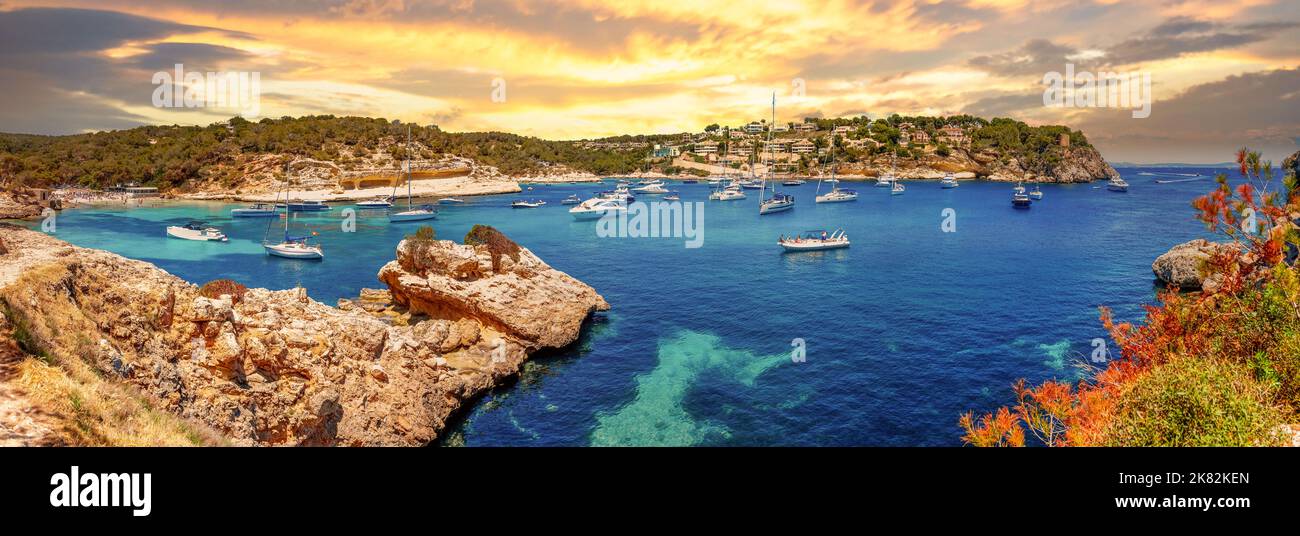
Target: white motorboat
{"x":949,"y":181}
{"x":256,"y":210}
{"x":527,"y":204}
{"x":1117,"y":185}
{"x":1036,"y":194}
{"x":451,"y":201}
{"x":792,"y":182}
{"x":571,"y":200}
{"x":652,"y":188}
{"x":412,"y":212}
{"x":196,"y":230}
{"x":620,"y":194}
{"x":378,"y":202}
{"x":815,"y":241}
{"x":732,"y":193}
{"x":885,"y":181}
{"x":596,"y":207}
{"x":672,"y":197}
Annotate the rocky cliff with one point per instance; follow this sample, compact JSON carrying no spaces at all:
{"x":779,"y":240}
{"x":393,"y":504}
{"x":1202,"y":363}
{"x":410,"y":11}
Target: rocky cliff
{"x":269,"y":367}
{"x":1075,"y":164}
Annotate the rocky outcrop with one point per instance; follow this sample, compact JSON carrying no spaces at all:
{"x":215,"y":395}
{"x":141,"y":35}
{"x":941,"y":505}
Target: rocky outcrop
{"x":277,"y":368}
{"x":1075,"y":164}
{"x":1292,"y":163}
{"x":1184,"y":265}
{"x":14,"y":207}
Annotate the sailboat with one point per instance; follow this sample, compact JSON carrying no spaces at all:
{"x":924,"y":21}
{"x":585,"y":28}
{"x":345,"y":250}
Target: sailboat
{"x":412,"y":213}
{"x":836,"y":195}
{"x":887,"y":180}
{"x":292,"y":247}
{"x":779,"y":202}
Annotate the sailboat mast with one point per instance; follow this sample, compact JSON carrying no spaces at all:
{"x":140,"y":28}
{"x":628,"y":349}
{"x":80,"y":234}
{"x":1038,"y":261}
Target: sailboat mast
{"x":408,"y":167}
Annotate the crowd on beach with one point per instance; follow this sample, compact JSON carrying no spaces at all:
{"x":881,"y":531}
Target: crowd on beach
{"x":81,"y":196}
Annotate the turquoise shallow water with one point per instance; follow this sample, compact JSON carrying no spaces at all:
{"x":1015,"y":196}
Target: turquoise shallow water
{"x":904,"y":331}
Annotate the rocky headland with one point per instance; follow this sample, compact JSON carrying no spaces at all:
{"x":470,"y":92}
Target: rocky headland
{"x":263,"y":367}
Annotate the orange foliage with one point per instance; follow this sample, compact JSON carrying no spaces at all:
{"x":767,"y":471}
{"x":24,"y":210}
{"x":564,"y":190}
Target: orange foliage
{"x":1061,"y":414}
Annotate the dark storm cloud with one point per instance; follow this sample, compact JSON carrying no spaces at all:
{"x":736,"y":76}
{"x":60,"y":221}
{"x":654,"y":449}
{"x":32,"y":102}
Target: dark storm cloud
{"x":1208,"y":121}
{"x":58,"y":30}
{"x":1170,"y":39}
{"x":1033,"y":58}
{"x":57,"y":79}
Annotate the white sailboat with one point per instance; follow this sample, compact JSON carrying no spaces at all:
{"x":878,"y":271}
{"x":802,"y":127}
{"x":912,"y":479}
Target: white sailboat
{"x":836,"y":195}
{"x":292,"y":247}
{"x":412,"y":213}
{"x":816,"y":240}
{"x":779,"y":202}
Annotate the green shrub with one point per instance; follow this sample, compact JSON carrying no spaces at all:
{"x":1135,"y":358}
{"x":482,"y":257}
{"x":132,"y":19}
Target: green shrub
{"x":496,"y":242}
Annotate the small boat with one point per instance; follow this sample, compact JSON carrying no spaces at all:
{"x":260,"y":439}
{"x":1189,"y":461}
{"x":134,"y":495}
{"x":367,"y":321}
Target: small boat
{"x":196,"y":230}
{"x":897,"y":189}
{"x":1019,"y":189}
{"x":620,"y":194}
{"x":815,"y":241}
{"x":378,"y":202}
{"x":716,"y":181}
{"x":731,"y":193}
{"x":412,"y":212}
{"x":949,"y":181}
{"x":1036,"y":194}
{"x":308,"y":205}
{"x":291,"y":247}
{"x":752,"y":184}
{"x":451,"y":201}
{"x":792,"y":182}
{"x":836,"y":195}
{"x":672,"y":197}
{"x":527,"y":204}
{"x":256,"y":210}
{"x":295,"y":247}
{"x":571,"y":200}
{"x":596,"y":207}
{"x":885,"y":181}
{"x":652,"y":188}
{"x":778,"y":203}
{"x":1020,"y":200}
{"x":1117,"y":185}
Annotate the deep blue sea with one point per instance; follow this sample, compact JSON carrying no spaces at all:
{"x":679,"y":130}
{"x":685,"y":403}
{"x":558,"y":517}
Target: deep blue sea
{"x":904,"y":331}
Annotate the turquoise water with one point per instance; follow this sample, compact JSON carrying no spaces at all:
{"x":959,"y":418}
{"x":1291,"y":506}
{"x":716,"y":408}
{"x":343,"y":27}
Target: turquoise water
{"x":904,"y":331}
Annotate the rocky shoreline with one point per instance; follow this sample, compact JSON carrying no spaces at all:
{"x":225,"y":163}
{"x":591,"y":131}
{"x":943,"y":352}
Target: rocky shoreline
{"x":265,"y":367}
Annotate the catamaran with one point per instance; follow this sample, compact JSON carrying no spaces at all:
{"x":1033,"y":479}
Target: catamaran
{"x":779,"y":202}
{"x":196,"y":230}
{"x":836,"y":195}
{"x":256,"y":210}
{"x":412,"y":213}
{"x":292,"y":247}
{"x":307,"y":205}
{"x":816,"y":240}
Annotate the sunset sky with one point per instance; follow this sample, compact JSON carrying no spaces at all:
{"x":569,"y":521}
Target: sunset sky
{"x":1225,"y":73}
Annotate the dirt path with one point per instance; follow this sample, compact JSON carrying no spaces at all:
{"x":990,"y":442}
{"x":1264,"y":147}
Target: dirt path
{"x":21,"y":423}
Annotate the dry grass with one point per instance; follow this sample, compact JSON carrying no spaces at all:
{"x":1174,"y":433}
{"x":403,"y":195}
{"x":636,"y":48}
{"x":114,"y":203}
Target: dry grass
{"x":94,"y":412}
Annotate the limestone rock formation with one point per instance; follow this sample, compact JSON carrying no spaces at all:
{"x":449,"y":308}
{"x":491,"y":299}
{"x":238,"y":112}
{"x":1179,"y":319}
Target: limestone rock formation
{"x":278,"y":369}
{"x":1184,"y":264}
